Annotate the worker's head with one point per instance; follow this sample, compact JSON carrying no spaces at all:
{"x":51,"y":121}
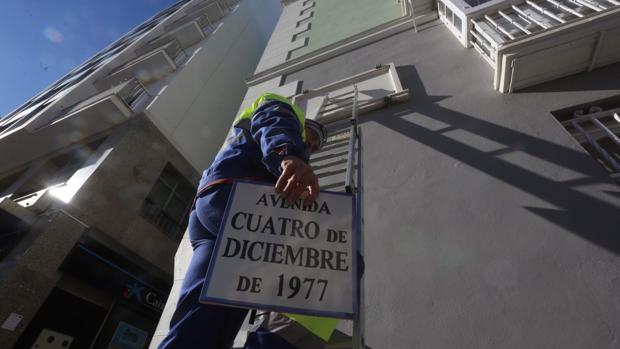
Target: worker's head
{"x":315,"y":135}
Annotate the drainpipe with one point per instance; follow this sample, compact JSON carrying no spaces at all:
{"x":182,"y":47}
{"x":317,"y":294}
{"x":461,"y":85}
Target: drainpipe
{"x":513,"y":66}
{"x":415,"y":26}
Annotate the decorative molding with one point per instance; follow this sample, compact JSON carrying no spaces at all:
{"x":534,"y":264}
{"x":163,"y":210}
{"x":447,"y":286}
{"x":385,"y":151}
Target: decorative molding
{"x":358,"y":40}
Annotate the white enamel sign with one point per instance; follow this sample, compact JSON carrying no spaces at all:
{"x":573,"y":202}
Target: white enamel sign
{"x":287,"y":258}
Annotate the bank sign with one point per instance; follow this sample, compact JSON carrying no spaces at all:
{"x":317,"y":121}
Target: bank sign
{"x":142,"y":295}
{"x":285,"y":257}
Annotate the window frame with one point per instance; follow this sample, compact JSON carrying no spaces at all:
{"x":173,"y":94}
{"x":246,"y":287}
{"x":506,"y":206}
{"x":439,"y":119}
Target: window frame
{"x":160,"y":217}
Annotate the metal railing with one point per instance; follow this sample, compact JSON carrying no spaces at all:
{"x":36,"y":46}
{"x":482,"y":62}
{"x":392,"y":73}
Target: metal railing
{"x":22,"y":117}
{"x":603,"y":140}
{"x":206,"y":14}
{"x":497,"y":27}
{"x":131,"y":92}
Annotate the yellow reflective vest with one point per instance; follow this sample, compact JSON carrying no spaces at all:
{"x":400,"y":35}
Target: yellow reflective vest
{"x":265,"y":97}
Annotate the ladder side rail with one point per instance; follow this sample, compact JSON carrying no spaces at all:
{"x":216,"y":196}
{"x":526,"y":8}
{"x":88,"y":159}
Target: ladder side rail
{"x":359,"y":318}
{"x":349,"y":183}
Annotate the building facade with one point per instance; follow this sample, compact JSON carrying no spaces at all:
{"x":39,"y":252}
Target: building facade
{"x":490,"y":163}
{"x":490,"y":167}
{"x":99,"y":171}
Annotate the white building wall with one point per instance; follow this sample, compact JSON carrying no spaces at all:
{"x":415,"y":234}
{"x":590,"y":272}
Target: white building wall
{"x":195,"y":110}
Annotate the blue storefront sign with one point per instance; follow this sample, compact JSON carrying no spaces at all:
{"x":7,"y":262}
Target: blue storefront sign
{"x":144,"y":296}
{"x":127,"y":336}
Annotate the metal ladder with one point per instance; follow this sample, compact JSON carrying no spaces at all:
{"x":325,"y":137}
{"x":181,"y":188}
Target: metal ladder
{"x":335,"y":164}
{"x":338,"y":164}
{"x":339,"y":168}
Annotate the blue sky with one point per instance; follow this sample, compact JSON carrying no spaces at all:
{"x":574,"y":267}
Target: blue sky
{"x":44,"y":39}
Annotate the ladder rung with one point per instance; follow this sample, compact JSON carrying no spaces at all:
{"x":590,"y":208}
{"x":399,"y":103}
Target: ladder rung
{"x":329,"y":156}
{"x":326,"y":165}
{"x":329,"y":164}
{"x":330,"y":173}
{"x":333,"y":147}
{"x":342,"y":94}
{"x":333,"y":186}
{"x":335,"y":106}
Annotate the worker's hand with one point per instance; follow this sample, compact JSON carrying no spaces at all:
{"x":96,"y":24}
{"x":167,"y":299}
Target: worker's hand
{"x":297,"y":177}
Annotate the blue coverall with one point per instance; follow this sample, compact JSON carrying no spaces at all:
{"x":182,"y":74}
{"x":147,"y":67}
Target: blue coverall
{"x":252,"y":151}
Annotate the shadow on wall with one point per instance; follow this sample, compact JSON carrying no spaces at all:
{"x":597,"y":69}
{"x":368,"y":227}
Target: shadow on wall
{"x":587,"y":82}
{"x":603,"y":219}
{"x":341,"y":340}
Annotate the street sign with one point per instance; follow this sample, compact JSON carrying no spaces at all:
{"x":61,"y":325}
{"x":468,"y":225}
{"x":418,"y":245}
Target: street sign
{"x":287,"y":258}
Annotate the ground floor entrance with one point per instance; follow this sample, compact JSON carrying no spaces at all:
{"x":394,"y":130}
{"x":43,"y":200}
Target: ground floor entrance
{"x":109,"y":302}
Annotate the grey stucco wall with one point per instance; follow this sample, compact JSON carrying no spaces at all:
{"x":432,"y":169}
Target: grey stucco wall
{"x":112,"y":197}
{"x":26,"y":286}
{"x":199,"y":103}
{"x":487,"y":226}
{"x":110,"y":202}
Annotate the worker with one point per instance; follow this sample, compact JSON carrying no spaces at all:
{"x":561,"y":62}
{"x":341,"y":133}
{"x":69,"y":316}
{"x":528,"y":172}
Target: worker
{"x":270,"y":141}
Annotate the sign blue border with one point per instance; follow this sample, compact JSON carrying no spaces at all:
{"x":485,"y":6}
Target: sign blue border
{"x":283,"y":309}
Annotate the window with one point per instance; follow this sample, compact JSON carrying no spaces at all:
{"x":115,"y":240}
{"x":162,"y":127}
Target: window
{"x":13,"y":230}
{"x":450,"y":18}
{"x":168,"y":204}
{"x":596,"y":126}
{"x":458,"y":24}
{"x":449,"y":15}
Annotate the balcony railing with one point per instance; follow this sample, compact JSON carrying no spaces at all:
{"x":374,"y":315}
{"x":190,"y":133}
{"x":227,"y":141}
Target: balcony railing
{"x":161,"y":55}
{"x":206,"y":15}
{"x":597,"y":131}
{"x":528,"y":42}
{"x":113,"y":105}
{"x":148,"y":68}
{"x":14,"y":121}
{"x":518,"y":21}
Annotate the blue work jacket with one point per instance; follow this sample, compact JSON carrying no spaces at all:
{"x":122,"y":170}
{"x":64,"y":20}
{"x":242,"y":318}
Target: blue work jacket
{"x":255,"y":147}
